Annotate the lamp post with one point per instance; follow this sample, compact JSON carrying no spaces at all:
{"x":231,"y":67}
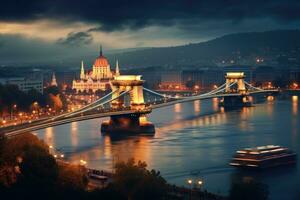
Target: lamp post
{"x":200,"y":183}
{"x":12,"y":108}
{"x":190,"y":183}
{"x":21,"y":117}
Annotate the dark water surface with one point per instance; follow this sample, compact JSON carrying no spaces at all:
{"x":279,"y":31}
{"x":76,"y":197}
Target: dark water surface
{"x":194,"y":140}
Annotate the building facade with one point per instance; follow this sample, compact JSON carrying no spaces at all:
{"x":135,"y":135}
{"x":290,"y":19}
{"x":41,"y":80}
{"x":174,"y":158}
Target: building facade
{"x":25,"y":84}
{"x":96,"y":79}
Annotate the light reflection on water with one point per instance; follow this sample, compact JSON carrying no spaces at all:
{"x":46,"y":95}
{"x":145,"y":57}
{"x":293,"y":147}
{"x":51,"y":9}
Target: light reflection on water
{"x":196,"y":137}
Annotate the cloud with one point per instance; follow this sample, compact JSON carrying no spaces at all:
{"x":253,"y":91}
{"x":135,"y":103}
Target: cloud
{"x":76,"y":39}
{"x":135,"y":14}
{"x":19,"y":50}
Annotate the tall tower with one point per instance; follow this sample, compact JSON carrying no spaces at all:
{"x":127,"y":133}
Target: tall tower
{"x":117,"y":68}
{"x":101,"y":50}
{"x":82,"y":75}
{"x":53,"y":81}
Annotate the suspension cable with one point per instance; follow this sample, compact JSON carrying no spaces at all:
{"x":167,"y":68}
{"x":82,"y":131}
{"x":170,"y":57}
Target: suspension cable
{"x":95,"y":106}
{"x":248,"y":84}
{"x":85,"y":107}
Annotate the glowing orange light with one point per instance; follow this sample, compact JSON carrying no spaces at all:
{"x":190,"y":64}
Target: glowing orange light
{"x":270,"y":98}
{"x":295,"y":98}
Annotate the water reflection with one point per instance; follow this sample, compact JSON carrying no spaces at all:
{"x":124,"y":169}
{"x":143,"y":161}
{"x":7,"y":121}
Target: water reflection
{"x":49,"y":137}
{"x":215,"y":104}
{"x":197,"y":106}
{"x":270,"y":98}
{"x":295,"y":105}
{"x":177,"y":108}
{"x":74,"y":133}
{"x":245,"y":119}
{"x":113,"y":149}
{"x":207,"y":120}
{"x":270,"y":107}
{"x":188,"y":139}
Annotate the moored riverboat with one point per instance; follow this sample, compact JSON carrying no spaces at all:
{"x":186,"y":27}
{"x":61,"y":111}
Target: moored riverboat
{"x":263,"y":157}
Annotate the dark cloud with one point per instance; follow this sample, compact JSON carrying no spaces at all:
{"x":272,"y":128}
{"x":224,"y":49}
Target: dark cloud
{"x":76,"y":39}
{"x":134,"y":14}
{"x":16,"y":49}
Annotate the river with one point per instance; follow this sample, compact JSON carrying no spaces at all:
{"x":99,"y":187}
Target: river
{"x":194,"y":140}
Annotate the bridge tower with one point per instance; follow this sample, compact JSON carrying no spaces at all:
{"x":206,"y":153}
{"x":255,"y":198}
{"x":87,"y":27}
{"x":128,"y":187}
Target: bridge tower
{"x":237,"y":77}
{"x":242,"y":97}
{"x":135,"y":122}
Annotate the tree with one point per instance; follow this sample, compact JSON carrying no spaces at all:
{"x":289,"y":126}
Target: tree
{"x":248,"y":189}
{"x":72,"y":177}
{"x":136,"y":182}
{"x":30,"y":160}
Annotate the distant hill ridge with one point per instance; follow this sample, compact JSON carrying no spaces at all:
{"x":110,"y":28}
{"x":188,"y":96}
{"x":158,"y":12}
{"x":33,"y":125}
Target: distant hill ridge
{"x":245,"y":44}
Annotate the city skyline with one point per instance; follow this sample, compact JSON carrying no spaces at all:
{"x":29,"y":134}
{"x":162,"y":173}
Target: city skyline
{"x":150,"y":100}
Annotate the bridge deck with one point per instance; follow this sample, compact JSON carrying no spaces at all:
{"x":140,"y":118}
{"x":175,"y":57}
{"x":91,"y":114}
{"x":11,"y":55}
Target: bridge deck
{"x":64,"y":119}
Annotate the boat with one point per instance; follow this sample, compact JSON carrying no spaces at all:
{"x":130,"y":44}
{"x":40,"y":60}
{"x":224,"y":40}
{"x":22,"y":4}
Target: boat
{"x":263,"y":157}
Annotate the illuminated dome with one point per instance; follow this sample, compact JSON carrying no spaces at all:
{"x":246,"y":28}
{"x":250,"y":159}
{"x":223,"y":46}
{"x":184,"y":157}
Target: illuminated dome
{"x":101,"y":61}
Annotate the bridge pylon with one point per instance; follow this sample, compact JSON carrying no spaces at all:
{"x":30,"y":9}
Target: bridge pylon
{"x":242,"y":97}
{"x":135,"y":122}
{"x":237,"y":77}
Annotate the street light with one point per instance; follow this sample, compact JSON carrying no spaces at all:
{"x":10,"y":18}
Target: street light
{"x":190,"y":182}
{"x":83,"y":162}
{"x":21,"y":115}
{"x":200,"y":183}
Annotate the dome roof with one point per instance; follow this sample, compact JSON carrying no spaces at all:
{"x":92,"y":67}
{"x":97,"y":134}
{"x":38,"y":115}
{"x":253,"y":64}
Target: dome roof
{"x":101,"y":61}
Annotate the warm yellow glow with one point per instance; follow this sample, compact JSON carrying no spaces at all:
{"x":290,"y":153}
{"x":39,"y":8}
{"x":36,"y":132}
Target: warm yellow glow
{"x":190,"y":181}
{"x":43,"y":29}
{"x":128,"y":78}
{"x":215,"y":104}
{"x":197,"y":106}
{"x":295,"y":85}
{"x":245,"y":99}
{"x":177,"y":108}
{"x":234,"y":75}
{"x":270,"y":98}
{"x":295,"y":105}
{"x":200,"y":182}
{"x":83,"y":162}
{"x":295,"y":98}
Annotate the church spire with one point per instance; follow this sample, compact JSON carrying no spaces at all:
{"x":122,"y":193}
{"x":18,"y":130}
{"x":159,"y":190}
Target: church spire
{"x":53,"y":81}
{"x":82,"y":75}
{"x":117,"y":68}
{"x":101,"y":50}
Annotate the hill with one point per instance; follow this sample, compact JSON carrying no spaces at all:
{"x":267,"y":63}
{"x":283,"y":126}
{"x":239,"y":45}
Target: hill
{"x":243,"y":46}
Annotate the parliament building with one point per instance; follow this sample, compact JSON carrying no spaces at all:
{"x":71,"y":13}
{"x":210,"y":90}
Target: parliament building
{"x":98,"y":78}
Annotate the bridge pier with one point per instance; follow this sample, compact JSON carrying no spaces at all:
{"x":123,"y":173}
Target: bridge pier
{"x":131,"y":123}
{"x":128,"y":123}
{"x":235,"y":101}
{"x":242,"y":97}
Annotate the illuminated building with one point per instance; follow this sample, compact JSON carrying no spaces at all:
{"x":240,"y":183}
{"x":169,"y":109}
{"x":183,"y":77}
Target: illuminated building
{"x":98,"y":78}
{"x":53,"y":81}
{"x":25,"y":84}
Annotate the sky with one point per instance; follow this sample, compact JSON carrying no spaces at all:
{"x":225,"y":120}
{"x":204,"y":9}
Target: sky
{"x":41,"y":31}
